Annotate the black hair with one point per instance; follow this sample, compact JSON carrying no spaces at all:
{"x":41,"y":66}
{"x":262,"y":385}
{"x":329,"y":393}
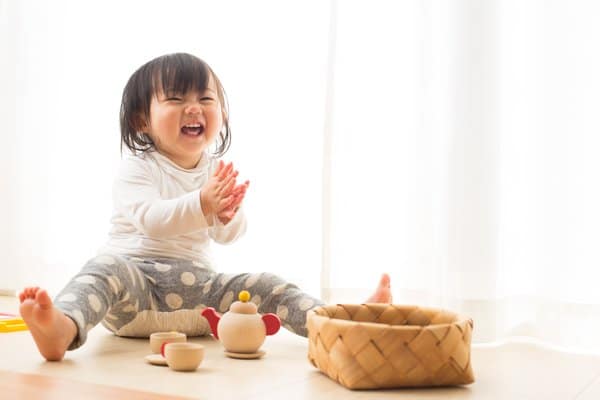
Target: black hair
{"x":171,"y":73}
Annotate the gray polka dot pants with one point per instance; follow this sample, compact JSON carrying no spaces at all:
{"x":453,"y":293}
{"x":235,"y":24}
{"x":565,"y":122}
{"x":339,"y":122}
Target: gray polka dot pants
{"x":115,"y":290}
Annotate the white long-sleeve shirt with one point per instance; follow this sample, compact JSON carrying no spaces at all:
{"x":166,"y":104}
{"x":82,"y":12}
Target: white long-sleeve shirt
{"x":157,"y":212}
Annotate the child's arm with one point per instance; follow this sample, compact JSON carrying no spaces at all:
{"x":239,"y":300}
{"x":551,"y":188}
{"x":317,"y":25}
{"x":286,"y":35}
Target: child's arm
{"x":235,"y":228}
{"x":137,"y":197}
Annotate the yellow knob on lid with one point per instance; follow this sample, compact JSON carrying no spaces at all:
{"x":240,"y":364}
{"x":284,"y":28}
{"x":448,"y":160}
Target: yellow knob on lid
{"x":244,"y":296}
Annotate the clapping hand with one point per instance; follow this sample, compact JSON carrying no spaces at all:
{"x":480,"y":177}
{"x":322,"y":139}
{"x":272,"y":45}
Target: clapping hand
{"x":238,"y":192}
{"x":222,"y":196}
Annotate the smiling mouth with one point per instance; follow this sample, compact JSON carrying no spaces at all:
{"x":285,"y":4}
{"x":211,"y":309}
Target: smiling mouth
{"x":192,"y":129}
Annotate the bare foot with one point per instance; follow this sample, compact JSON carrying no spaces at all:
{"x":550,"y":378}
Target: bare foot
{"x":383,"y":293}
{"x":52,"y":330}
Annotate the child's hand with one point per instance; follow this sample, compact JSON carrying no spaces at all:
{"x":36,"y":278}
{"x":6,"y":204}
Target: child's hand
{"x":217,"y":195}
{"x":238,"y":192}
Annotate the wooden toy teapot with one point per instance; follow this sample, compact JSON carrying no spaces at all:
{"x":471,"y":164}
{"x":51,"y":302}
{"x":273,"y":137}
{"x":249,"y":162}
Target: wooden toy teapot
{"x":242,"y":330}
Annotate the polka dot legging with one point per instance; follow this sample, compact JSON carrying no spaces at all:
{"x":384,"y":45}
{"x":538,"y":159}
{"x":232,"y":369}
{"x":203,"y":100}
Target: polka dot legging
{"x":116,"y":288}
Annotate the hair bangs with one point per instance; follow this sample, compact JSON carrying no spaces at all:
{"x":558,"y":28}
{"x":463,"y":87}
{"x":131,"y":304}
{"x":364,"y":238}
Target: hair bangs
{"x":180,"y":74}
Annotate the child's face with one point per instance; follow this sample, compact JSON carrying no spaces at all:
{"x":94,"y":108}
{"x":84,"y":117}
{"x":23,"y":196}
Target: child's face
{"x":182,"y":126}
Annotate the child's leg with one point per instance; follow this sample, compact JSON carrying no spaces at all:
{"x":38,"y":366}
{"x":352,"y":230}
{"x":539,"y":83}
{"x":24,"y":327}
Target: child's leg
{"x":102,"y":283}
{"x":271,"y":293}
{"x":182,"y":285}
{"x":107,"y":286}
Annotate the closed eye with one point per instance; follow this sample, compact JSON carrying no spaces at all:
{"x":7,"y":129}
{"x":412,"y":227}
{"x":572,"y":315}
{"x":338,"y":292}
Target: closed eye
{"x":207,"y":99}
{"x":174,"y":99}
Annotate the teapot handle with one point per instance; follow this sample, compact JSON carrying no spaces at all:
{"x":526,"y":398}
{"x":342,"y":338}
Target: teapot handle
{"x":213,"y":319}
{"x":272,"y":323}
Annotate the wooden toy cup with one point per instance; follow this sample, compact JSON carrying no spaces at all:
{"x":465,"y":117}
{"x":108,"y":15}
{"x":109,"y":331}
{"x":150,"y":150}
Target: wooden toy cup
{"x":157,"y":339}
{"x":183,"y":356}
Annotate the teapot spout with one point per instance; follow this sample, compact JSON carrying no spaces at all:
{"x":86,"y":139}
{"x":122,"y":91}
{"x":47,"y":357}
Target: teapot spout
{"x":213,"y":319}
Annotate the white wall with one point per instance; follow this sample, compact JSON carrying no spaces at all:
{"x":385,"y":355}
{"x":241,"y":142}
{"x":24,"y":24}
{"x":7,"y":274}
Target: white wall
{"x":71,"y":61}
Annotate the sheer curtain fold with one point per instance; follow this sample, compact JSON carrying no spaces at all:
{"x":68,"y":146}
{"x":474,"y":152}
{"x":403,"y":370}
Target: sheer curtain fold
{"x":464,"y":162}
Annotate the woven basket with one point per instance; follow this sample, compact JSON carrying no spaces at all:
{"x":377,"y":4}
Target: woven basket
{"x":371,"y":346}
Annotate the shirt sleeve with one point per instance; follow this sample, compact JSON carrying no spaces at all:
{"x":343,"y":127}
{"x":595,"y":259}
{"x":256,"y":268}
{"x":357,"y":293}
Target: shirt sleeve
{"x":136,"y":196}
{"x":225,"y":234}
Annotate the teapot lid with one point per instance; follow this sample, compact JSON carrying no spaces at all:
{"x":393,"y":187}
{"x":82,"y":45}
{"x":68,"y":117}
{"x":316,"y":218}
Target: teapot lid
{"x":243,"y":306}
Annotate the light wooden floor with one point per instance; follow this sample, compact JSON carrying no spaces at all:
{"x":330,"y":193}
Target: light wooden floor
{"x":513,"y":371}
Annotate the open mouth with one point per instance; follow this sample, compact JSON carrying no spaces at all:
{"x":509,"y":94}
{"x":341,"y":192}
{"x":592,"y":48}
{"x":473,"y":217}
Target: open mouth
{"x":192,"y":129}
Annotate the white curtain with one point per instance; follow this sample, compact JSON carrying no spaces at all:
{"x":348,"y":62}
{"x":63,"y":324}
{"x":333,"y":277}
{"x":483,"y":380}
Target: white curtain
{"x":465,"y":160}
{"x":452,"y":144}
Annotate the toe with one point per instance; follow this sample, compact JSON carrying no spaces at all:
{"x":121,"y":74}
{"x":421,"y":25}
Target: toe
{"x":26,"y":293}
{"x":43,"y":299}
{"x":384,"y":281}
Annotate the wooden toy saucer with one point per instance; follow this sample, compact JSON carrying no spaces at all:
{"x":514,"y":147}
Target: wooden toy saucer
{"x":156,"y":359}
{"x":245,"y":356}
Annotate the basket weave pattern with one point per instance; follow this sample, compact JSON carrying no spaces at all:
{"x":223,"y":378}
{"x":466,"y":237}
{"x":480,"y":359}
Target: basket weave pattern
{"x":371,"y":346}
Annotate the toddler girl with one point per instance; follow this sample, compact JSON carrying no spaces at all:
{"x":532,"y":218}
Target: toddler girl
{"x":171,"y":198}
